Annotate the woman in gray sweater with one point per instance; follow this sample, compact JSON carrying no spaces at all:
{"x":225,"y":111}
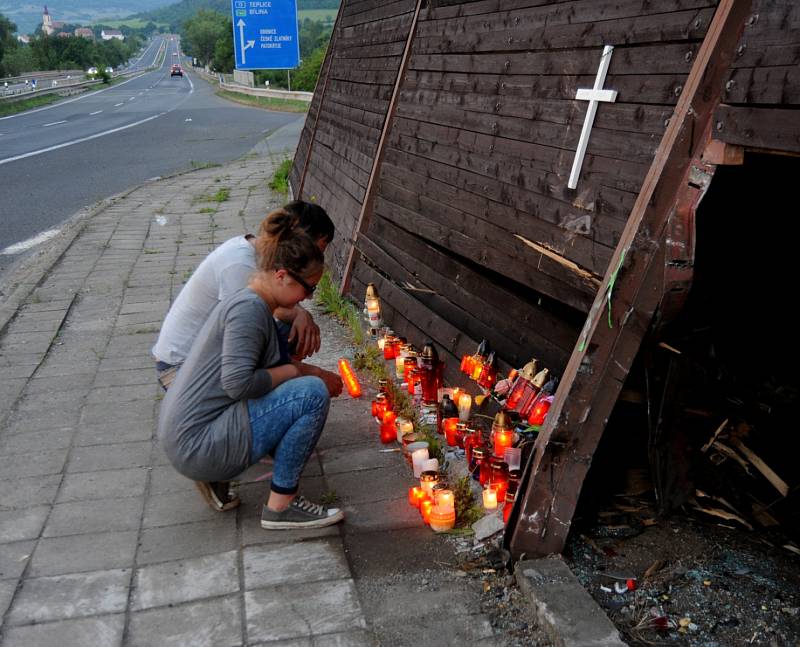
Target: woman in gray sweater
{"x":238,"y":396}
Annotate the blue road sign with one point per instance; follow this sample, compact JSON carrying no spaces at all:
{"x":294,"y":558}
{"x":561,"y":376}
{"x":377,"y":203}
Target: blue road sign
{"x":265,"y":34}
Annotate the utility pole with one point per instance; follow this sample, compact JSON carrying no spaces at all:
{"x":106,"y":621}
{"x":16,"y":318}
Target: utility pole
{"x":289,"y":79}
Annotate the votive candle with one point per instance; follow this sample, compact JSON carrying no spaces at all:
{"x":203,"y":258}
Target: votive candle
{"x":464,"y":406}
{"x":441,"y":518}
{"x":418,"y":457}
{"x":512,"y":456}
{"x":450,"y":431}
{"x":502,"y":440}
{"x":404,"y":426}
{"x":430,"y":465}
{"x":415,"y":495}
{"x":425,"y":510}
{"x":490,"y":499}
{"x":445,"y":499}
{"x":399,"y":364}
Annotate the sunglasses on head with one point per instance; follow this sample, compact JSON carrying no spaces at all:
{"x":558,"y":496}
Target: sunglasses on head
{"x":308,"y":288}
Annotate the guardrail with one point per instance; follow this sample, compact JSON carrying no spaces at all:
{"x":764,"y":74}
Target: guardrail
{"x":254,"y":92}
{"x":67,"y":87}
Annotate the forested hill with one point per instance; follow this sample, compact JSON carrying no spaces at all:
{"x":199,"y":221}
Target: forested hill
{"x":176,"y":14}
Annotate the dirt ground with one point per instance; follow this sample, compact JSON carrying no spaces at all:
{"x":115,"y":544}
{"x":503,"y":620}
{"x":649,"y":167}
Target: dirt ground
{"x":695,"y":582}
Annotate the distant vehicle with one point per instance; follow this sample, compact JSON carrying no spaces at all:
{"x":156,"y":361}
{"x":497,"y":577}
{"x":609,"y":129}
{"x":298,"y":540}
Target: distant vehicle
{"x":174,"y":53}
{"x":109,"y":70}
{"x":91,"y":70}
{"x":176,"y":71}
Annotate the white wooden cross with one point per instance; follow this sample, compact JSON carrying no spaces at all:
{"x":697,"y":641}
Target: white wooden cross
{"x":593,"y":96}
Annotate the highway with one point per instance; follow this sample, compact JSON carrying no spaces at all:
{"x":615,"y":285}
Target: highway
{"x":60,"y":158}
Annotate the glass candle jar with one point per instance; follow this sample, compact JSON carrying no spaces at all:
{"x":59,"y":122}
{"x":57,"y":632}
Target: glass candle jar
{"x":499,"y":477}
{"x":503,"y":439}
{"x":418,"y":457}
{"x":399,"y":364}
{"x":489,"y":499}
{"x":479,"y":455}
{"x":427,"y":480}
{"x":403,"y":427}
{"x":415,"y":495}
{"x":474,"y":438}
{"x":425,"y":510}
{"x":441,"y":518}
{"x":485,"y":475}
{"x":409,"y":364}
{"x":464,"y":406}
{"x":379,"y":406}
{"x":450,"y":425}
{"x":461,"y":433}
{"x":539,"y":411}
{"x":445,"y":498}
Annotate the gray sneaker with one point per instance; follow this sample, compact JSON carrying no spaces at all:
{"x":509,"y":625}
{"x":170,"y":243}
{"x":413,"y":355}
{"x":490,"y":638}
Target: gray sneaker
{"x":301,"y":513}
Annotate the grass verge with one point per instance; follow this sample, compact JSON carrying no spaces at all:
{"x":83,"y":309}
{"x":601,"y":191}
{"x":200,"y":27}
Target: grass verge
{"x":267,"y":103}
{"x":280,"y":178}
{"x":13,"y":107}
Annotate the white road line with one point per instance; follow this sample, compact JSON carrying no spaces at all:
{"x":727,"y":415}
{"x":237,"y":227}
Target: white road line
{"x":96,"y":112}
{"x":54,"y":123}
{"x":63,"y":103}
{"x":25,"y":245}
{"x":117,"y":105}
{"x":78,"y":141}
{"x":131,"y":99}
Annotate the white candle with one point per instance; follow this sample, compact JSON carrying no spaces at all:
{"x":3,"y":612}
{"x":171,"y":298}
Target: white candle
{"x":381,"y":342}
{"x":489,"y":499}
{"x":513,"y":457}
{"x":418,"y":457}
{"x":404,"y":427}
{"x":430,"y":465}
{"x":464,"y":406}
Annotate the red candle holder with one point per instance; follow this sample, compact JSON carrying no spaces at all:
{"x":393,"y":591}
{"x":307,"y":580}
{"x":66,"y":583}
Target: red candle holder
{"x":415,"y":496}
{"x":450,"y":427}
{"x":425,"y":507}
{"x":388,"y":431}
{"x":503,"y":438}
{"x":461,"y":433}
{"x":539,"y":411}
{"x":349,"y":378}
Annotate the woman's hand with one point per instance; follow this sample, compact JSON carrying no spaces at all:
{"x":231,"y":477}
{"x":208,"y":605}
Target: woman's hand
{"x":304,"y":334}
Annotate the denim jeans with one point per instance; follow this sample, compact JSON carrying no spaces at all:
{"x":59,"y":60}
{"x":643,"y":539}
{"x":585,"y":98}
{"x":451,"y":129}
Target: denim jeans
{"x":286,"y":423}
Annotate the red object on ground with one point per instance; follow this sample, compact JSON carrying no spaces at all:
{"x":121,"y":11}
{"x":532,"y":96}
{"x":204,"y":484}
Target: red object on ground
{"x":349,"y":378}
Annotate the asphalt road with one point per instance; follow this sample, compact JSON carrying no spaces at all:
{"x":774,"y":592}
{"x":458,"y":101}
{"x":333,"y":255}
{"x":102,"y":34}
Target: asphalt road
{"x":56,"y":160}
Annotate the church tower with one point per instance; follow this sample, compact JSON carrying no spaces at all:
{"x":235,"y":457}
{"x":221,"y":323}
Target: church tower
{"x":47,"y":22}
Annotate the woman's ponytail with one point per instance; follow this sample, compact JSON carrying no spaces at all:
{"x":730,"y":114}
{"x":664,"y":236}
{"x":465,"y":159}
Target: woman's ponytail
{"x":282,"y":244}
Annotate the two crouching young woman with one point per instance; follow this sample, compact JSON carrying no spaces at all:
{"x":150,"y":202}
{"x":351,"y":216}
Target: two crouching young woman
{"x":238,"y":396}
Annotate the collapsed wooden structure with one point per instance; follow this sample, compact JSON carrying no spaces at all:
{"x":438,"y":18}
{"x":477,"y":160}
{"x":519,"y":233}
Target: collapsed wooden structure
{"x":442,"y":139}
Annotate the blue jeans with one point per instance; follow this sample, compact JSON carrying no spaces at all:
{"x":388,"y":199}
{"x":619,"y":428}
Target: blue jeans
{"x":286,"y":423}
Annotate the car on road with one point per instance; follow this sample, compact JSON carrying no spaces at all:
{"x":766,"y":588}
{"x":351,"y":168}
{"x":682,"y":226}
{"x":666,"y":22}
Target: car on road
{"x":91,"y":70}
{"x":176,"y":70}
{"x":109,"y":70}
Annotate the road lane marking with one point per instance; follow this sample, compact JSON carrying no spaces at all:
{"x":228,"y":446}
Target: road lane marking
{"x":55,"y":123}
{"x":96,"y":112}
{"x":25,"y":245}
{"x":63,"y":103}
{"x":80,"y":140}
{"x":131,"y":99}
{"x":117,"y":105}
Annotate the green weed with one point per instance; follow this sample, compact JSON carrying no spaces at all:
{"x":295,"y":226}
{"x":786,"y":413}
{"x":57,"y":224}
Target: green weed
{"x":280,"y":179}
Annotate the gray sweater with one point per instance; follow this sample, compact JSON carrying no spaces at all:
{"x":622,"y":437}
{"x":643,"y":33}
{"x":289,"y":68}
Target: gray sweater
{"x":204,"y":424}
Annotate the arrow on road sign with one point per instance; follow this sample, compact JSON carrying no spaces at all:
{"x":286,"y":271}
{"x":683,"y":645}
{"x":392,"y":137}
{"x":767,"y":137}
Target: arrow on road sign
{"x":244,"y":45}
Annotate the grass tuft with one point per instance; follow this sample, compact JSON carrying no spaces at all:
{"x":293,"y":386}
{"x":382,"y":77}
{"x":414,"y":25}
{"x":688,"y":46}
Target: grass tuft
{"x":280,"y":179}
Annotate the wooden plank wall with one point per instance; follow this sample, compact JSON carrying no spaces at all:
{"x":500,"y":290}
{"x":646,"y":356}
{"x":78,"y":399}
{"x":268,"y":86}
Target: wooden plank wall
{"x":363,"y":63}
{"x":474,"y":233}
{"x":761,"y":95}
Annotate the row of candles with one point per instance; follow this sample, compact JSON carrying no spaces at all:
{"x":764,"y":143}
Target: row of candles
{"x":493,"y":461}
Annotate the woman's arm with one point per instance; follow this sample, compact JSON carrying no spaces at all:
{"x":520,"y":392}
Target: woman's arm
{"x":248,"y":335}
{"x":304,"y":333}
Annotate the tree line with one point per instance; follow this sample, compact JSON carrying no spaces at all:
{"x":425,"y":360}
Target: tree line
{"x":58,"y":53}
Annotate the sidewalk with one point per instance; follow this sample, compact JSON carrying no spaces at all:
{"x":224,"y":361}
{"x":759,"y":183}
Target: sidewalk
{"x":103,"y":543}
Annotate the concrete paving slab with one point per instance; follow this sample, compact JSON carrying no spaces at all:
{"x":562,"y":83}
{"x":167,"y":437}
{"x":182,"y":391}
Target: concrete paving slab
{"x":7,"y":590}
{"x":34,"y":441}
{"x":382,"y":515}
{"x":14,"y":558}
{"x":438,"y":629}
{"x":165,"y":479}
{"x":31,"y":491}
{"x":390,"y":599}
{"x":302,"y":610}
{"x":51,"y":384}
{"x":171,"y":583}
{"x":27,"y":523}
{"x":384,"y":484}
{"x":185,"y":506}
{"x":70,"y":596}
{"x":112,"y":432}
{"x":38,"y":463}
{"x":79,"y":553}
{"x":398,"y":552}
{"x":348,"y":639}
{"x":187,"y":540}
{"x":105,"y":631}
{"x":81,"y":517}
{"x":110,"y":457}
{"x":107,"y":412}
{"x":211,"y":623}
{"x":122,"y":393}
{"x":353,"y":458}
{"x":309,"y":561}
{"x":105,"y":484}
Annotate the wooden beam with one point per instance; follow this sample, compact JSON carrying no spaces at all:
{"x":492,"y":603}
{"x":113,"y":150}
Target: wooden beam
{"x":369,"y":197}
{"x":634,"y":285}
{"x":329,"y":63}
